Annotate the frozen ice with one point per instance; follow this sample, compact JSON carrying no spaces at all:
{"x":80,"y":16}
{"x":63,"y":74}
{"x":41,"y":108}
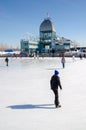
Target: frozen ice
{"x":27,"y":102}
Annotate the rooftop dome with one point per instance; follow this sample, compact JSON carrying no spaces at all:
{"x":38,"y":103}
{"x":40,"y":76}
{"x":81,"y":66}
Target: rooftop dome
{"x":47,"y":25}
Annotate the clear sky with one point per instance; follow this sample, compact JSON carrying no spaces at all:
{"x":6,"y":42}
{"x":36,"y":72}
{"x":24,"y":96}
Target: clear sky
{"x":18,"y":17}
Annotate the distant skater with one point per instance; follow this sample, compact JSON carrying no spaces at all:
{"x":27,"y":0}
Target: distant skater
{"x":73,"y":57}
{"x":6,"y":60}
{"x":80,"y":56}
{"x":63,"y":61}
{"x":55,"y":82}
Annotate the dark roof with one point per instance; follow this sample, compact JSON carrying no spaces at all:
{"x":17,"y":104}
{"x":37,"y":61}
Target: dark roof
{"x":47,"y":25}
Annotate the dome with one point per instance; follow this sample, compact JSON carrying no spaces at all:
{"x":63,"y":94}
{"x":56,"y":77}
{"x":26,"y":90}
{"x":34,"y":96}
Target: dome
{"x":47,"y":25}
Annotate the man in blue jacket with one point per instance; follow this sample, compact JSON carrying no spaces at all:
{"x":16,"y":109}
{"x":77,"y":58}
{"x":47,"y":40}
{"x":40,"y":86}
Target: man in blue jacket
{"x":55,"y":82}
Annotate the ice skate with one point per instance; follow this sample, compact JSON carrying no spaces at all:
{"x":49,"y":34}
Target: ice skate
{"x":57,"y":106}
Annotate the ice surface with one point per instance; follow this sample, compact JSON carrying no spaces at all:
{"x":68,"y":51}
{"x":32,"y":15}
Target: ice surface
{"x":26,"y":100}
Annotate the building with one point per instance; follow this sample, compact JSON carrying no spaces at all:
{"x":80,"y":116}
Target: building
{"x":48,"y":40}
{"x":28,"y":46}
{"x":63,"y":44}
{"x":47,"y":35}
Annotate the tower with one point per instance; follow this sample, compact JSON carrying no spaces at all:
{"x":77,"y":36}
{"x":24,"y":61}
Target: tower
{"x":47,"y":34}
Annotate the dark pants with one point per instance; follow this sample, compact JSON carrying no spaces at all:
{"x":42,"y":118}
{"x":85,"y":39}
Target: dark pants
{"x":6,"y":63}
{"x":56,"y":101}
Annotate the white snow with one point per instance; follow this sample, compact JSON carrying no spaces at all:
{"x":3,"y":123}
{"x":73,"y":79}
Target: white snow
{"x":27,"y":102}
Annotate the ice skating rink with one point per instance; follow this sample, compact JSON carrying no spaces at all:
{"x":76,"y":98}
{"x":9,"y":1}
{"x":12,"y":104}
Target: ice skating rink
{"x":27,"y":102}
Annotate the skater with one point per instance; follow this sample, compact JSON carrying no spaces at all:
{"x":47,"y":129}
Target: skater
{"x":55,"y":82}
{"x":73,"y":57}
{"x":63,"y":61}
{"x":80,"y":56}
{"x":6,"y":60}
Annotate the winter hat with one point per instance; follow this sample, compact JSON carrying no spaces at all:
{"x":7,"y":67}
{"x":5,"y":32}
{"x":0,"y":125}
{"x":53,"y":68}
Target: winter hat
{"x":56,"y":72}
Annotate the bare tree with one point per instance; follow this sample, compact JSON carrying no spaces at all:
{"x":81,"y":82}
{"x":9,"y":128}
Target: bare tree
{"x":3,"y":46}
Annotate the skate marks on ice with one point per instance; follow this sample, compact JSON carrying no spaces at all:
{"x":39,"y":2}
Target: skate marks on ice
{"x":32,"y":106}
{"x":54,"y":68}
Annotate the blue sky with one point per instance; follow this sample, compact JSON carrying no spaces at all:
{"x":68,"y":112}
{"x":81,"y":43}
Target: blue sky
{"x":18,"y":17}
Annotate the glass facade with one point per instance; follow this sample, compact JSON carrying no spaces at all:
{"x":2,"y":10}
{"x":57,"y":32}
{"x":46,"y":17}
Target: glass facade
{"x":48,"y":40}
{"x":28,"y":47}
{"x":47,"y":33}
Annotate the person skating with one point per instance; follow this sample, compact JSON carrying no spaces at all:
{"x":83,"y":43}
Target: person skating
{"x":6,"y":60}
{"x":55,"y":82}
{"x":63,"y":61}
